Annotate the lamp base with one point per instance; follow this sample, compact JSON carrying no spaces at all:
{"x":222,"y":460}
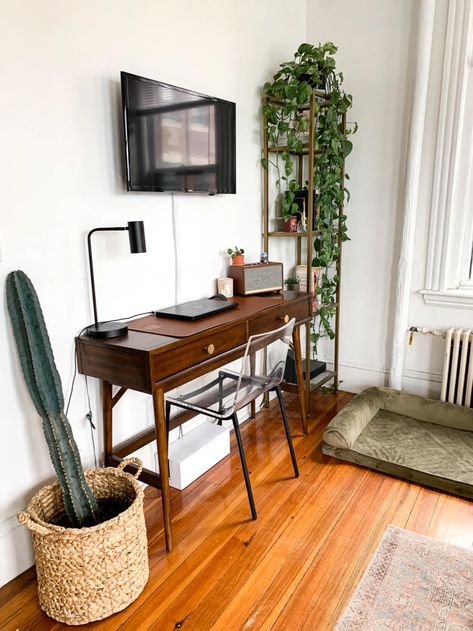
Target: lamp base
{"x":107,"y":329}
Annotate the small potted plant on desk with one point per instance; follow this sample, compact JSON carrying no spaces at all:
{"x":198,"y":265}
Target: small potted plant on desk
{"x":88,"y":528}
{"x":292,"y":283}
{"x":237,"y":255}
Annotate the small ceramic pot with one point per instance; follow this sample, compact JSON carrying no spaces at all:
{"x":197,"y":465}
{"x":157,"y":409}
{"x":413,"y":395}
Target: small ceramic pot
{"x":291,"y":224}
{"x":238,"y":260}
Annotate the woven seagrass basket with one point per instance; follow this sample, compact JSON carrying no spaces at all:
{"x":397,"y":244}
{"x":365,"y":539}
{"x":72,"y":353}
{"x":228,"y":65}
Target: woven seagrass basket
{"x":86,"y":574}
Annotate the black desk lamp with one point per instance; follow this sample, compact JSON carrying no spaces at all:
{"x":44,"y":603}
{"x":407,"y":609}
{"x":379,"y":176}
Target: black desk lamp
{"x":136,"y":233}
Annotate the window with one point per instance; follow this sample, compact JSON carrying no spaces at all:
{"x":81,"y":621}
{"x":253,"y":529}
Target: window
{"x":449,"y":272}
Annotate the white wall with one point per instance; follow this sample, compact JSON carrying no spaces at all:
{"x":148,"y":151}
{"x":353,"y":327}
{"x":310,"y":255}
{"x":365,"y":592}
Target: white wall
{"x":374,"y":39}
{"x":62,"y":174}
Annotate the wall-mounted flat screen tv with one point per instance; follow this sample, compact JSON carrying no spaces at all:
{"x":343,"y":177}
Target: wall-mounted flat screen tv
{"x":177,"y":140}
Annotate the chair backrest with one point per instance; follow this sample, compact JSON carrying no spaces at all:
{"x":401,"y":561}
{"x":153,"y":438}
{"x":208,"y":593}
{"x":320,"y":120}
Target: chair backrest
{"x":263,"y":364}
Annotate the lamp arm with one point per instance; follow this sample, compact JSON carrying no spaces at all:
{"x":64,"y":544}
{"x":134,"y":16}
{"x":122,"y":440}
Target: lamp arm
{"x":91,"y":265}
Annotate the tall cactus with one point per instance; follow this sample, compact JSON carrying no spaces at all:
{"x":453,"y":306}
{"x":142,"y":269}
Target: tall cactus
{"x":44,"y":385}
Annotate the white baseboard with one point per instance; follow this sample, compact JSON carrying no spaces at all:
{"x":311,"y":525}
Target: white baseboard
{"x":357,"y":377}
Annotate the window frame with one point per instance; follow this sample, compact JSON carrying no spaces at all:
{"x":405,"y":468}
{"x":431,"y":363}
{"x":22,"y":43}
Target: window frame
{"x":448,"y":282}
{"x":466,"y":276}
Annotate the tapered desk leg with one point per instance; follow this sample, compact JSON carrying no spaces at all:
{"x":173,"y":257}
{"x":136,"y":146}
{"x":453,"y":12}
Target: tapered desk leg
{"x":296,"y":340}
{"x":162,"y":444}
{"x":107,"y":420}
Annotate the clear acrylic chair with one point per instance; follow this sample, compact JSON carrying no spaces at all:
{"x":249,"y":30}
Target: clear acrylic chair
{"x":262,"y":371}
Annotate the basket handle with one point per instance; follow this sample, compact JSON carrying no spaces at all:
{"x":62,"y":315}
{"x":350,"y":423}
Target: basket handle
{"x":136,"y":461}
{"x":26,"y":520}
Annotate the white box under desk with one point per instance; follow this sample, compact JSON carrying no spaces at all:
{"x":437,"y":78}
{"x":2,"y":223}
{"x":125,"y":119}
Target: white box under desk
{"x":196,"y":452}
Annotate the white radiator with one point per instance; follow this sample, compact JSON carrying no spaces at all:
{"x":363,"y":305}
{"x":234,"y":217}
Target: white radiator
{"x":457,"y":377}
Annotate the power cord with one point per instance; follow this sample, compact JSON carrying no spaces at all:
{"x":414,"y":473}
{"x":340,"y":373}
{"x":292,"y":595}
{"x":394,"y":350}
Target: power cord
{"x":89,"y":415}
{"x":136,"y":315}
{"x":74,"y":375}
{"x":175,"y":244}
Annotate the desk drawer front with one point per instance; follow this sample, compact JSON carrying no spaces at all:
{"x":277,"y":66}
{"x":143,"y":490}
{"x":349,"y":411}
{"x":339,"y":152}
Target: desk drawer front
{"x":278,"y":316}
{"x":197,"y":351}
{"x":114,"y":365}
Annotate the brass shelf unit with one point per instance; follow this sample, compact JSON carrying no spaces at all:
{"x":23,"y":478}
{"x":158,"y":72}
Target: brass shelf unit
{"x":307,"y":157}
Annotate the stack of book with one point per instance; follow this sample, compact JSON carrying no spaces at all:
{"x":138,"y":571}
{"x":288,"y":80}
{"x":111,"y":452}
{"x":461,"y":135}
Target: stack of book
{"x":301,"y":271}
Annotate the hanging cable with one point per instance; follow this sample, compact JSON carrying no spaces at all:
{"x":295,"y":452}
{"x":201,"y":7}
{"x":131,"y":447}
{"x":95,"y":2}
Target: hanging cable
{"x":89,"y":415}
{"x":177,"y":271}
{"x":74,"y":375}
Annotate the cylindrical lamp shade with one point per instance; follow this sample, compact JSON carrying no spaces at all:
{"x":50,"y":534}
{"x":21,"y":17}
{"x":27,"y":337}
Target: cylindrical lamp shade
{"x":136,"y":234}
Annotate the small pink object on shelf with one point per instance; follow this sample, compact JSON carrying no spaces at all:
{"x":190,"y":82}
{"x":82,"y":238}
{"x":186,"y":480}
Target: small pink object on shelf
{"x":291,"y":225}
{"x":225,"y":287}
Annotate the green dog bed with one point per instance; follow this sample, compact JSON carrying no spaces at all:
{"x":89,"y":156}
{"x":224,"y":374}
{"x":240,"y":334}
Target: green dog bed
{"x":421,"y":440}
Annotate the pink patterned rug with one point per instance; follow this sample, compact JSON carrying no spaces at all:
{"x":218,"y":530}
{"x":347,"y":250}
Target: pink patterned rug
{"x":413,"y":583}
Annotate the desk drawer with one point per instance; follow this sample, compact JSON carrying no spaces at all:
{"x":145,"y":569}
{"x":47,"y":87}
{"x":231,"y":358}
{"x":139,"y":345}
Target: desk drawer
{"x":274,"y":318}
{"x":197,"y":351}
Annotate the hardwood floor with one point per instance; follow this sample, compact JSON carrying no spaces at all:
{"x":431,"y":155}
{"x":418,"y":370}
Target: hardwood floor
{"x":293,"y":568}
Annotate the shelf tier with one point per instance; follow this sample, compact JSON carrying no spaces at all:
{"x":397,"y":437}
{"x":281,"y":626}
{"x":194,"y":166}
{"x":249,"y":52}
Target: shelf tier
{"x":304,"y":152}
{"x":315,"y":383}
{"x":281,"y":234}
{"x":322,"y":379}
{"x":321,"y":94}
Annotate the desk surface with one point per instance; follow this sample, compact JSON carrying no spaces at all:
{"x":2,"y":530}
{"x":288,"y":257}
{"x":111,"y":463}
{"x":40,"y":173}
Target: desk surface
{"x":248,"y":306}
{"x":157,"y":348}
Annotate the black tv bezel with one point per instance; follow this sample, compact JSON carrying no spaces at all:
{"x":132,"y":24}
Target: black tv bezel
{"x":153,"y":189}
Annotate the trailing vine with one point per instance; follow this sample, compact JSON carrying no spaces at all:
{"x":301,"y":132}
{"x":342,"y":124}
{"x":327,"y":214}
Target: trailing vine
{"x":287,"y":125}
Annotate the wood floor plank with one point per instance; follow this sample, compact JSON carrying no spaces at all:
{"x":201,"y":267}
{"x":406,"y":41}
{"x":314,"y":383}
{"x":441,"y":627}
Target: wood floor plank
{"x":452,"y":521}
{"x":422,"y":511}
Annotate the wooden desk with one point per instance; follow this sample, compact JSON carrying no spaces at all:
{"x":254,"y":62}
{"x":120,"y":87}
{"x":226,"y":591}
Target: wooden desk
{"x":158,"y":355}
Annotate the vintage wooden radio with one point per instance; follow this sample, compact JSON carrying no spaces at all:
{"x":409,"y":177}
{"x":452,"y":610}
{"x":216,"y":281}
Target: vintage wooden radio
{"x":256,"y":278}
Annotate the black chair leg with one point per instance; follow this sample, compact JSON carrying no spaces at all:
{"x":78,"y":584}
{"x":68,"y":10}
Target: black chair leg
{"x":236,"y":427}
{"x":286,"y":427}
{"x":168,"y":418}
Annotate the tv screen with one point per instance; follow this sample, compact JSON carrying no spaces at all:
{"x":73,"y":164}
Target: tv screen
{"x":177,"y":140}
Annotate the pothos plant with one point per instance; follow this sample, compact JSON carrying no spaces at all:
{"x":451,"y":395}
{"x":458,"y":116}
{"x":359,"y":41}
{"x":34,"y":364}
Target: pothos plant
{"x":287,"y":125}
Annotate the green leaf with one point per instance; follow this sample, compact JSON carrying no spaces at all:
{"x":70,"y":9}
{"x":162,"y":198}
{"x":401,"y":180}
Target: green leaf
{"x":290,"y":91}
{"x":304,"y":48}
{"x":347,"y":147}
{"x":303,"y":124}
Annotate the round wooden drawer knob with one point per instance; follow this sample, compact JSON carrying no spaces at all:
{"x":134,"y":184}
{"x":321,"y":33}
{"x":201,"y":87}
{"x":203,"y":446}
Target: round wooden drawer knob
{"x":285,"y":319}
{"x":210,"y":349}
